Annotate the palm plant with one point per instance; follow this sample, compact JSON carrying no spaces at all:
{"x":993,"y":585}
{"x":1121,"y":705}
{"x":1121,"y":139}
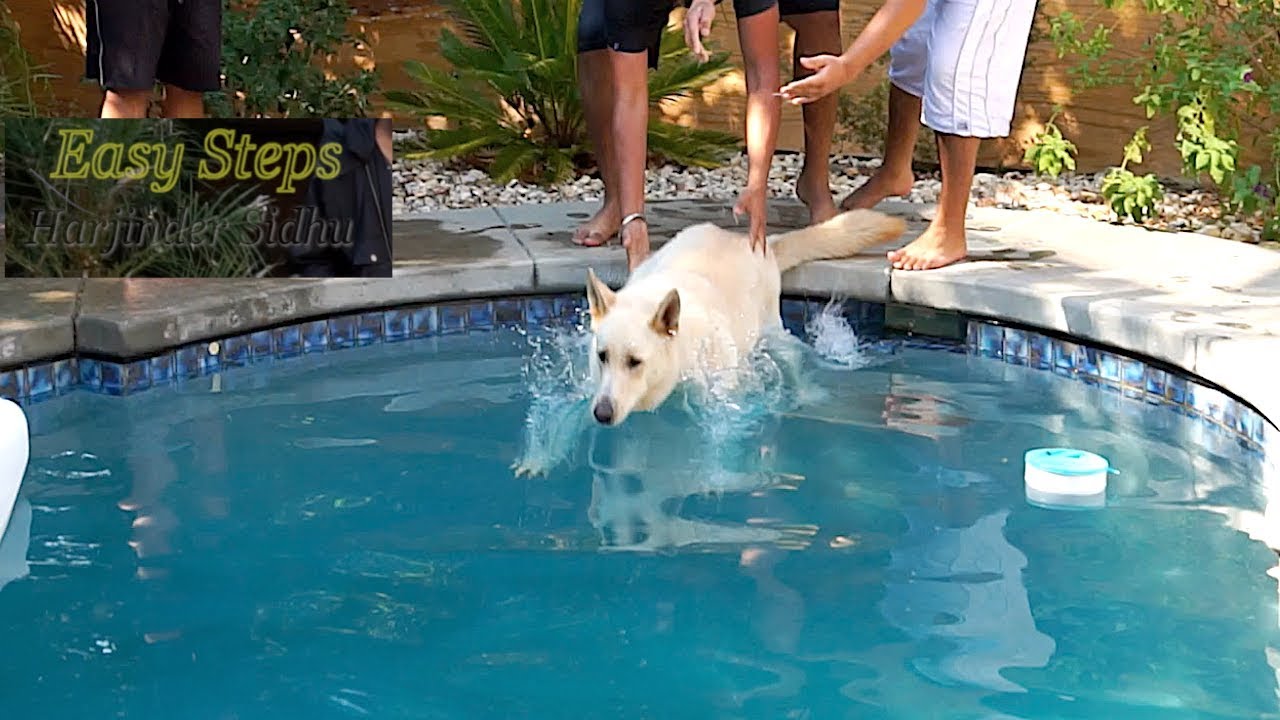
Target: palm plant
{"x":511,"y":94}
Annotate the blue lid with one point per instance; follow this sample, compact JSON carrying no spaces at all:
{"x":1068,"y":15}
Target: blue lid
{"x":1066,"y":461}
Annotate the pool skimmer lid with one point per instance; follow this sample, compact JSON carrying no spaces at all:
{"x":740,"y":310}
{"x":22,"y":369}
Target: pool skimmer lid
{"x":1066,"y":478}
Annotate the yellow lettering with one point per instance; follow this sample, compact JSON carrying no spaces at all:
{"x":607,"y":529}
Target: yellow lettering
{"x":330,"y":161}
{"x":167,"y":176}
{"x":243,"y":151}
{"x":214,"y":150}
{"x":108,"y":161}
{"x":295,"y":170}
{"x":264,"y":165}
{"x":68,"y":151}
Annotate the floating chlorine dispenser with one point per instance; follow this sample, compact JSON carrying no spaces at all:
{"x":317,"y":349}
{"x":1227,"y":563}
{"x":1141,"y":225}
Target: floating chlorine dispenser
{"x":1066,"y":478}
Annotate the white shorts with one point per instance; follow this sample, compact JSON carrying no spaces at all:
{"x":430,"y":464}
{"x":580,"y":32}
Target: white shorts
{"x":963,"y":59}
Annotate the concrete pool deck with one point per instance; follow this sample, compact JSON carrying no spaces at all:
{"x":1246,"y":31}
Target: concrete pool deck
{"x":1210,"y":307}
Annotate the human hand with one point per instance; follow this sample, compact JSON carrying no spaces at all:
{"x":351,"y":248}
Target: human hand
{"x":830,"y":72}
{"x":697,"y":25}
{"x":753,"y":203}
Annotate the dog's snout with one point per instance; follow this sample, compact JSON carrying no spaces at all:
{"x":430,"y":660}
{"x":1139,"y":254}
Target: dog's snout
{"x":603,"y":411}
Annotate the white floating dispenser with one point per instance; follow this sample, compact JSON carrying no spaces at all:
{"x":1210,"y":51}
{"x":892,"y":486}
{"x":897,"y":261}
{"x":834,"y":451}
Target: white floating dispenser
{"x":1066,"y":478}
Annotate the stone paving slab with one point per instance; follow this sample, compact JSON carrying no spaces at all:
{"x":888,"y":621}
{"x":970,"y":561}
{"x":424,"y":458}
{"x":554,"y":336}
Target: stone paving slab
{"x":461,"y":253}
{"x":36,"y":319}
{"x":1202,"y":304}
{"x":547,"y":231}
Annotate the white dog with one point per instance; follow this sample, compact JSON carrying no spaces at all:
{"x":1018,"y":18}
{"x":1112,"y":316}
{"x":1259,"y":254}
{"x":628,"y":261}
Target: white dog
{"x":695,"y":310}
{"x":699,"y":305}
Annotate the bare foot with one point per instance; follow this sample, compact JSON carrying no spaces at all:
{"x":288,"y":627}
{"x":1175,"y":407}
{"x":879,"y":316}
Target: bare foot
{"x":815,"y":193}
{"x":934,"y":249}
{"x":635,"y":238}
{"x":600,"y":229}
{"x":879,"y":187}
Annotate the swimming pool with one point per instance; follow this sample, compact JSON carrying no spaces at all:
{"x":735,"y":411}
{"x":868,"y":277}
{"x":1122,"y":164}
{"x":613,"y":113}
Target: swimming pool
{"x":341,"y":536}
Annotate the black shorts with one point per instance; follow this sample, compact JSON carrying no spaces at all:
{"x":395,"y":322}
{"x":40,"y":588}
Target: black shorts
{"x":747,"y":8}
{"x":133,"y":44}
{"x":630,"y":26}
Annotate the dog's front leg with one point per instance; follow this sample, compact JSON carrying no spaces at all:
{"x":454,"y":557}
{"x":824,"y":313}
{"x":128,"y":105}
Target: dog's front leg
{"x":552,"y":430}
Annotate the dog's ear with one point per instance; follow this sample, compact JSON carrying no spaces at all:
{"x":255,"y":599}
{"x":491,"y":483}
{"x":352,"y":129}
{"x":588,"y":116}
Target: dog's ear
{"x":599,"y":297}
{"x":666,"y":321}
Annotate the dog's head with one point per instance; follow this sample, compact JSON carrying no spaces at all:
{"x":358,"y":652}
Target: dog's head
{"x":633,"y":354}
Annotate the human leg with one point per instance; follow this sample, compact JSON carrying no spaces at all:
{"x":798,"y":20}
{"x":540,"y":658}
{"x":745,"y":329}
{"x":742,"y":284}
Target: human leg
{"x":976,"y":51}
{"x":634,"y":33}
{"x":125,"y":39}
{"x":191,"y":60}
{"x":595,"y":85}
{"x":943,"y":243}
{"x":817,"y":28}
{"x":630,"y":147}
{"x":908,"y":62}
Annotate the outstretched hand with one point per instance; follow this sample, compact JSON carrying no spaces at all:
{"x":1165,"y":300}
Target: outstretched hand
{"x":697,"y":25}
{"x":753,"y":203}
{"x":830,"y":72}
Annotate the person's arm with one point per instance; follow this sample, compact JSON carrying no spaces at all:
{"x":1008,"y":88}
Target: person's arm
{"x":889,"y":23}
{"x":758,"y":38}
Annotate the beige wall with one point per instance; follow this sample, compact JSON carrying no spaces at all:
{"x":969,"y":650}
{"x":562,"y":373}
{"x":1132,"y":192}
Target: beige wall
{"x":1099,"y":122}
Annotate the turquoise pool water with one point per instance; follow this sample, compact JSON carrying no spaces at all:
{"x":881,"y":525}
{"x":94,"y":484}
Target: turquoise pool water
{"x":341,"y":537}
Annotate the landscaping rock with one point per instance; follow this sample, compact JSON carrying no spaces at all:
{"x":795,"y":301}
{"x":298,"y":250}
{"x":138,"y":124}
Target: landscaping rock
{"x":424,"y":186}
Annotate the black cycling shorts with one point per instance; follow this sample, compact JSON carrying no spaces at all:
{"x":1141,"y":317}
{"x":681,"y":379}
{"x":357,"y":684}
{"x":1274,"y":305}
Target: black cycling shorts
{"x":133,"y":44}
{"x":630,"y":26}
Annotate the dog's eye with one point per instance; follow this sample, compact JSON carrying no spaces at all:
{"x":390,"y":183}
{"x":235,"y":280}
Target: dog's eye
{"x":633,"y":362}
{"x":604,"y":356}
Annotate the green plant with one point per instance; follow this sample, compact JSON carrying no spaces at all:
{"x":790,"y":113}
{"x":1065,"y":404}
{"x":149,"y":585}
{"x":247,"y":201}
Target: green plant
{"x":1128,"y":194}
{"x":511,"y":93}
{"x":1050,"y":153}
{"x":278,"y":58}
{"x":192,"y":230}
{"x":1213,"y":68}
{"x":19,"y":75}
{"x":862,"y":120}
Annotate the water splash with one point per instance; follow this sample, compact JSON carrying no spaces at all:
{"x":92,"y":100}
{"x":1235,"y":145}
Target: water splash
{"x":557,"y":375}
{"x":835,"y":341}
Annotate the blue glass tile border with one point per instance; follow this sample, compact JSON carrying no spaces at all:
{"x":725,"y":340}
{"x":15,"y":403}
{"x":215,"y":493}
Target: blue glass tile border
{"x":1130,"y":377}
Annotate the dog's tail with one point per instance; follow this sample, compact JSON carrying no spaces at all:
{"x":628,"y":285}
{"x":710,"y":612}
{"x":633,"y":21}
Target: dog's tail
{"x":843,"y":236}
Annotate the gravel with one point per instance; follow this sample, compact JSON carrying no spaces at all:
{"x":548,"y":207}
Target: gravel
{"x":422,"y":186}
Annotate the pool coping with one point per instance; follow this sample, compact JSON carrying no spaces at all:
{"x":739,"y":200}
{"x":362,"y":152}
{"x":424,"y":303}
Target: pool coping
{"x":1206,"y":307}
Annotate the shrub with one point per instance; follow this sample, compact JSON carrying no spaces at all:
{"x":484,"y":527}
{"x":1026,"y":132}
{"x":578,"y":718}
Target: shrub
{"x":1214,"y":69}
{"x":274,"y":54}
{"x":511,"y":94}
{"x":1050,"y":153}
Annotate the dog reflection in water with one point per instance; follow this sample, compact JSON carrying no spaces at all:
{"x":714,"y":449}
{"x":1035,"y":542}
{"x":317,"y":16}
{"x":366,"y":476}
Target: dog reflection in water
{"x":642,"y":478}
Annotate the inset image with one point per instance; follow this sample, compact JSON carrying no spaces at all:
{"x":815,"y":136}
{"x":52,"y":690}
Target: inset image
{"x":198,"y":198}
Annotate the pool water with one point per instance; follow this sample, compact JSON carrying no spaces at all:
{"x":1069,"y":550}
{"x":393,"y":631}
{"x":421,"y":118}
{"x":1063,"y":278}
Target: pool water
{"x":342,"y":536}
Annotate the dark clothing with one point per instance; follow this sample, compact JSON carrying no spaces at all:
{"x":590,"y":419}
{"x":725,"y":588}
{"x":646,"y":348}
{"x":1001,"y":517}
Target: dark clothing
{"x":747,"y":8}
{"x":629,"y":26}
{"x":133,"y":44}
{"x":359,"y":198}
